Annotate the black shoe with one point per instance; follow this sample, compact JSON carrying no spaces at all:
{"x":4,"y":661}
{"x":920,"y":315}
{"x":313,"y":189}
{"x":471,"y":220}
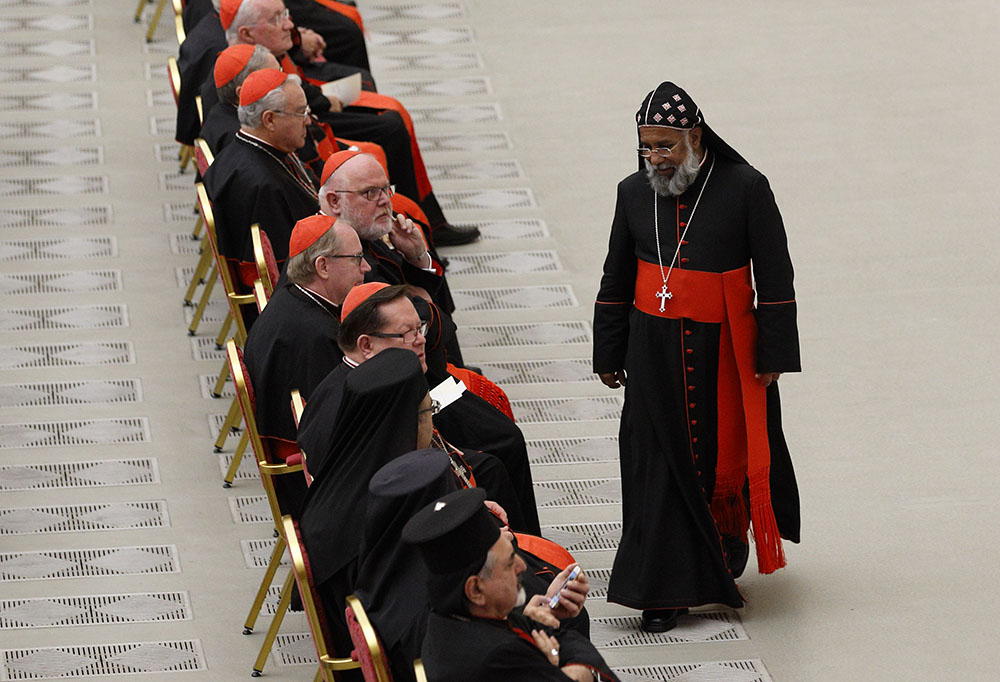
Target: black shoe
{"x":454,"y":235}
{"x":661,"y":620}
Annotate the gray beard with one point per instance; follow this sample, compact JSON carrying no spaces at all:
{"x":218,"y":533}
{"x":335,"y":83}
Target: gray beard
{"x":684,"y":174}
{"x":368,"y":232}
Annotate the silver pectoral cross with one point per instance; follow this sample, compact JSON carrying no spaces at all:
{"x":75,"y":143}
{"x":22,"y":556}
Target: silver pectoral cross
{"x":663,"y":295}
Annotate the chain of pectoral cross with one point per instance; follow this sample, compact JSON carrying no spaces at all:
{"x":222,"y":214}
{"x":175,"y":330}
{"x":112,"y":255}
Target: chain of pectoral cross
{"x":664,"y":294}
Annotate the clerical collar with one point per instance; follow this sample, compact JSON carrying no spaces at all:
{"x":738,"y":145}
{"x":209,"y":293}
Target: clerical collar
{"x":328,"y":306}
{"x":350,"y":363}
{"x":267,"y":145}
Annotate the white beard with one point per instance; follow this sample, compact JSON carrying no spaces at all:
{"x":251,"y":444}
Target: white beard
{"x":522,"y":597}
{"x":684,"y":174}
{"x":370,"y":232}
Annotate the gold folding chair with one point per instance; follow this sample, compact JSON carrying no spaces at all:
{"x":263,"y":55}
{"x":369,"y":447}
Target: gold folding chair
{"x":203,"y":158}
{"x":329,"y":667}
{"x":268,"y":468}
{"x":179,"y":21}
{"x":263,"y":253}
{"x":298,"y":407}
{"x":418,"y":670}
{"x":367,"y":647}
{"x":234,"y":301}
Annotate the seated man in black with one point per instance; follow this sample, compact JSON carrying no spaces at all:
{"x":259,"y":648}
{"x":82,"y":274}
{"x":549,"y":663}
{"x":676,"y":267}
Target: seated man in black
{"x":258,"y":178}
{"x":376,"y":317}
{"x":473,"y":631}
{"x":293,"y":344}
{"x":391,"y":578}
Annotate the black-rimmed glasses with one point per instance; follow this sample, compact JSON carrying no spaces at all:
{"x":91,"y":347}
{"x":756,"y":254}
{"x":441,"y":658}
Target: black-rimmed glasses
{"x":409,"y":336}
{"x":358,"y":257}
{"x":372,"y":193}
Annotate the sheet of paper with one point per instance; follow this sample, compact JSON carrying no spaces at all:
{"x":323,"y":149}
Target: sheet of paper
{"x":347,"y":89}
{"x":447,"y":392}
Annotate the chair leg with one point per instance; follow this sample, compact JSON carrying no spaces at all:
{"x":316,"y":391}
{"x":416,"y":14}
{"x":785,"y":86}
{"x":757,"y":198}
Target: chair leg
{"x":272,"y":632}
{"x":220,"y":383}
{"x":220,"y":340}
{"x":234,"y":466}
{"x":198,"y":277}
{"x":187,"y":153}
{"x":202,"y":303}
{"x":155,"y":20}
{"x":197,"y":228}
{"x":232,"y":420}
{"x":138,"y":11}
{"x":265,"y":584}
{"x":319,"y":675}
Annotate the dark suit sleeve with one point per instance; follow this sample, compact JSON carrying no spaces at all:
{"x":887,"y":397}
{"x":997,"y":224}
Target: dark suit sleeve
{"x":519,"y":661}
{"x":617,"y":293}
{"x":777,"y":332}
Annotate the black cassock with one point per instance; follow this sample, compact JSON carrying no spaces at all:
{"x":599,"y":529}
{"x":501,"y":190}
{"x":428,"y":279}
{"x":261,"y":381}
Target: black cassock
{"x":392,"y":578}
{"x":319,"y":426}
{"x":671,"y":554}
{"x":195,"y":61}
{"x":459,"y":649}
{"x":249,"y":183}
{"x":292,"y":345}
{"x":375,"y":422}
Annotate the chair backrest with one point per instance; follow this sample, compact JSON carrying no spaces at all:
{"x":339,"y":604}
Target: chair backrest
{"x":260,"y":295}
{"x":311,"y":602}
{"x":367,"y":647}
{"x":418,"y":671}
{"x":298,"y":407}
{"x":248,"y":406}
{"x":174,"y":73}
{"x":233,"y":299}
{"x":179,"y":21}
{"x":263,"y":254}
{"x":203,"y":155}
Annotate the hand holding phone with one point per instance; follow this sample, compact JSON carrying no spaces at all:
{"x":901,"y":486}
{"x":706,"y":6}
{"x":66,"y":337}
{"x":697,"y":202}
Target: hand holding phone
{"x":554,"y":601}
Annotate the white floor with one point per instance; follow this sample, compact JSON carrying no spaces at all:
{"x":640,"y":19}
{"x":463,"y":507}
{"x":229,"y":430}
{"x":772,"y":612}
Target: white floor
{"x":875,"y":123}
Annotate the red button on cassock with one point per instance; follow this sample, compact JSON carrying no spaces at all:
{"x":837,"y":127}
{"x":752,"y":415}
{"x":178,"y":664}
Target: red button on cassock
{"x":694,"y":422}
{"x":690,"y":369}
{"x":689,"y":351}
{"x":687,"y":332}
{"x":685,"y":260}
{"x":694,"y":440}
{"x":690,"y":388}
{"x":690,"y":404}
{"x":683,"y":224}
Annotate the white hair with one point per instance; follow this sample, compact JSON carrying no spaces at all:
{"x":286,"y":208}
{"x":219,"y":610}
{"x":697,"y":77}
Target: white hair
{"x":251,"y":114}
{"x":247,"y":15}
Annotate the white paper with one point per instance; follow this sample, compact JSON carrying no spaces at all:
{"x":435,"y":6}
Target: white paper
{"x":347,"y":90}
{"x":447,"y":392}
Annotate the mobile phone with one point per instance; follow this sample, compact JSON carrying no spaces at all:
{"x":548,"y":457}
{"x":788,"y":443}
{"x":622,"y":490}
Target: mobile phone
{"x":554,"y":601}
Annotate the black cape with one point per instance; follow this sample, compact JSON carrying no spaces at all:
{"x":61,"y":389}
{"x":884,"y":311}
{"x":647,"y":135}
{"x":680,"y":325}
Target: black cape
{"x":459,"y":649}
{"x":292,"y":345}
{"x":392,"y":578}
{"x":375,"y":423}
{"x":670,"y":554}
{"x":248,"y":185}
{"x":195,"y":61}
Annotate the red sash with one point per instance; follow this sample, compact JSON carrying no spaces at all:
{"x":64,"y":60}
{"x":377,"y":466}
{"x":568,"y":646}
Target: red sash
{"x":726,"y":298}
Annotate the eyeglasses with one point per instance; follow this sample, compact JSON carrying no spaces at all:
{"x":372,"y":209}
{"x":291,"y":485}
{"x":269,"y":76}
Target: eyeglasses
{"x":646,"y":152}
{"x":304,"y":115}
{"x":409,"y":336}
{"x":358,"y":257}
{"x":277,"y":19}
{"x":371,"y":194}
{"x":433,"y":409}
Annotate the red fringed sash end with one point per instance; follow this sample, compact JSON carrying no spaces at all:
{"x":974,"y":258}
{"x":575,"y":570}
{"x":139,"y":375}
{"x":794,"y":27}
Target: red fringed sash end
{"x":770,"y":554}
{"x":728,"y":507}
